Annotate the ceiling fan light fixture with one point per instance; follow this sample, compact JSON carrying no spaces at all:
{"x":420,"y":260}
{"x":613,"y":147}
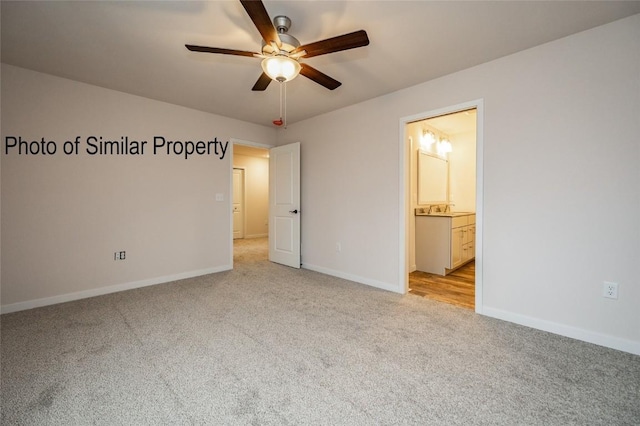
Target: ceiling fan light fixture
{"x":281,"y":68}
{"x":281,"y":51}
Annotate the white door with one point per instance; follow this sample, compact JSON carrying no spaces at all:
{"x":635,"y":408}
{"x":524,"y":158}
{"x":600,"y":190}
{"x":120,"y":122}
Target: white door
{"x":284,"y":205}
{"x":238,"y":203}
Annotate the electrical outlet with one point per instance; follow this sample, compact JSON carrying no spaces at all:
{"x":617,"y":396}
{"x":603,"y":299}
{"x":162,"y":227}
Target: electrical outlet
{"x":610,"y":290}
{"x":120,"y":255}
{"x":338,"y":247}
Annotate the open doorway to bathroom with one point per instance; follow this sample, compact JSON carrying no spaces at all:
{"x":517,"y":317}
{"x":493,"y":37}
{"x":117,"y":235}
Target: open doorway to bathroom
{"x":442,"y":219}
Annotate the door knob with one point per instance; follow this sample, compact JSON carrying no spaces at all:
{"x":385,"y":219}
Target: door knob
{"x":294,"y":211}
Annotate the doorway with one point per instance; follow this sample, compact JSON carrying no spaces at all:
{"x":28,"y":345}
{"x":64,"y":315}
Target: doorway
{"x":271,"y":198}
{"x":454,"y":135}
{"x":250,"y":217}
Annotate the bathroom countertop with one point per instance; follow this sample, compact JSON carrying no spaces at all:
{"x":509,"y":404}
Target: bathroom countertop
{"x":423,"y":212}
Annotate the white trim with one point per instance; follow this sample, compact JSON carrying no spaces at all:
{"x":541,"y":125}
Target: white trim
{"x":231,"y":205}
{"x":244,"y":201}
{"x":354,"y":278}
{"x":69,"y":297}
{"x":405,"y":209}
{"x":403,"y":232}
{"x":479,"y":303}
{"x":566,"y":330}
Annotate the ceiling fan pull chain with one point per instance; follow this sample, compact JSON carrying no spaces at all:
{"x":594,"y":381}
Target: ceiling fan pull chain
{"x":280,"y":101}
{"x":279,"y":121}
{"x":285,"y":104}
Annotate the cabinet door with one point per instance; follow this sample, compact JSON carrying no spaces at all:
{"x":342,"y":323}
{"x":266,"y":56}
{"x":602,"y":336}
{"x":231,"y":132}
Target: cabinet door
{"x":465,"y":235}
{"x":456,"y":246}
{"x":469,"y":246}
{"x":467,"y":251}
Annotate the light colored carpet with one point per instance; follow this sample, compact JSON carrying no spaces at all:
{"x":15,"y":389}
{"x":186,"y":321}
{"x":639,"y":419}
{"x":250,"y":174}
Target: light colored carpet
{"x":267,"y":344}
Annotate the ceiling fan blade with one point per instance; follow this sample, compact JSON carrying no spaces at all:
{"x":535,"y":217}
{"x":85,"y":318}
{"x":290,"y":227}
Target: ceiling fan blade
{"x":320,"y":78}
{"x":258,"y":14}
{"x":218,"y":50}
{"x":335,"y":44}
{"x":262,"y":83}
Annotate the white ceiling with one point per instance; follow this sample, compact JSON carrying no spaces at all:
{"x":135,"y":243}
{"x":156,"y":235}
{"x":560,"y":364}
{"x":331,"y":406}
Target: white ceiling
{"x":138,"y":47}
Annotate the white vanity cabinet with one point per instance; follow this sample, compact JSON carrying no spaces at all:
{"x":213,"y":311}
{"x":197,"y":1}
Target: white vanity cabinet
{"x":463,"y":236}
{"x":444,"y":243}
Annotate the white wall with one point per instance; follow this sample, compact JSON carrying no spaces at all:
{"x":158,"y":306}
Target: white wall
{"x":63,"y":217}
{"x":256,"y":194}
{"x":561,"y":190}
{"x":462,"y":190}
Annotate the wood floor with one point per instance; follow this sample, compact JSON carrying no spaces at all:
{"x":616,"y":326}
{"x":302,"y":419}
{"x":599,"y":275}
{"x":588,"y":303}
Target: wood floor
{"x":457,"y":288}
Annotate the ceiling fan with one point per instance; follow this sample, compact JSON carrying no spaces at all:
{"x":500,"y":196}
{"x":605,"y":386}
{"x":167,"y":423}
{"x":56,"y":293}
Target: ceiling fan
{"x":281,"y":52}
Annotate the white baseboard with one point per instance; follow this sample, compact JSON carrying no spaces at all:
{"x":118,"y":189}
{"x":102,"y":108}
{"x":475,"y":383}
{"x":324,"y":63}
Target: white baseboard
{"x":37,"y":303}
{"x":355,"y":278}
{"x":612,"y":342}
{"x":256,"y":236}
{"x":608,"y":341}
{"x":565,"y":330}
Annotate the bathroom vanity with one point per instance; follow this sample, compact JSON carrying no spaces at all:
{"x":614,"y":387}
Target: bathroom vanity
{"x":444,"y":241}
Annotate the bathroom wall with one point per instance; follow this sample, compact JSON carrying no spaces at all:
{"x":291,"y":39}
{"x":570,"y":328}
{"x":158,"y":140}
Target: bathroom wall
{"x":462,"y":171}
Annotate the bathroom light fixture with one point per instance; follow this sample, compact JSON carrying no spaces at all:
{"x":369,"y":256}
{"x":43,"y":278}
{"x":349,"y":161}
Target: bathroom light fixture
{"x":281,"y":67}
{"x":427,"y":139}
{"x":444,"y":145}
